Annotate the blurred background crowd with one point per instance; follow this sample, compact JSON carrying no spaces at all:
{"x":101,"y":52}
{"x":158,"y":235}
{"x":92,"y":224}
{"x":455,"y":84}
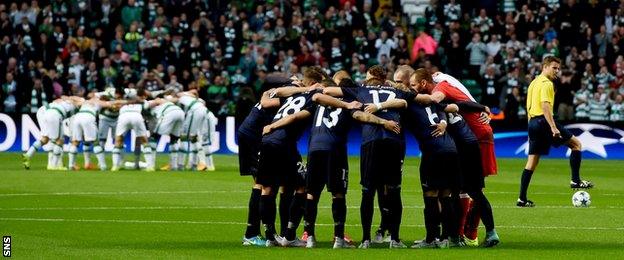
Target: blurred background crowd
{"x":50,"y":48}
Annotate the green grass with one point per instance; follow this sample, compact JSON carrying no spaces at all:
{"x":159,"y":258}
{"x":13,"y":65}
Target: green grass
{"x":132,"y":214}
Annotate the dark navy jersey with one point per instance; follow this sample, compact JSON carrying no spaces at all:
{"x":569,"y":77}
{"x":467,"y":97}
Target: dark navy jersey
{"x":330,"y":127}
{"x":418,"y":119}
{"x":377,"y":95}
{"x":288,"y":135}
{"x":257,"y":118}
{"x":459,"y":130}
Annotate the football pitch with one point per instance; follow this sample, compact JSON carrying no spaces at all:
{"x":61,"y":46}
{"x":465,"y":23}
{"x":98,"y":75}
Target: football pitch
{"x":131,"y":214}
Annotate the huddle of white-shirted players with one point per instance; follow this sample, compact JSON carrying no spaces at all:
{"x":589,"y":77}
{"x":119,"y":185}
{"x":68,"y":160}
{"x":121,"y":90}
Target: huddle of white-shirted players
{"x":180,"y":115}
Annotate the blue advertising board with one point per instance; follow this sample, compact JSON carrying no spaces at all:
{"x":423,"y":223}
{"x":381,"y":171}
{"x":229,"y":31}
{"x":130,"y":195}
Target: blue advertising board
{"x":599,"y":141}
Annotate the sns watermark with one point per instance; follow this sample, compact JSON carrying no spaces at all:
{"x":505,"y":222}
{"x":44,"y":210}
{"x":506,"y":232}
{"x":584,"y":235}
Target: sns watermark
{"x":6,"y":246}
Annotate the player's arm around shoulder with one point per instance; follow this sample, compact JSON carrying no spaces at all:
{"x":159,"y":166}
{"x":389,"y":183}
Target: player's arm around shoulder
{"x":284,"y":121}
{"x":372,"y":119}
{"x":268,"y":100}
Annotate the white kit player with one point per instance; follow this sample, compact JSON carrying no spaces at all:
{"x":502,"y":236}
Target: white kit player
{"x":169,"y":120}
{"x":195,"y":113}
{"x":51,"y":122}
{"x":84,"y":128}
{"x":209,"y":127}
{"x":131,"y":118}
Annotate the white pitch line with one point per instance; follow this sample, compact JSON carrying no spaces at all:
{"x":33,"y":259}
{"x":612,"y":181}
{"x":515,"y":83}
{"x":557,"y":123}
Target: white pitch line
{"x":140,"y":221}
{"x":121,"y":193}
{"x":243,"y":191}
{"x":246,"y":207}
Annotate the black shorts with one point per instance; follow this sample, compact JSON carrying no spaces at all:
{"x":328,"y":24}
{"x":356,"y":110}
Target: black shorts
{"x":381,"y":163}
{"x":439,"y":171}
{"x":471,"y":177}
{"x":327,"y":167}
{"x":280,"y":166}
{"x":248,"y":150}
{"x":541,"y":138}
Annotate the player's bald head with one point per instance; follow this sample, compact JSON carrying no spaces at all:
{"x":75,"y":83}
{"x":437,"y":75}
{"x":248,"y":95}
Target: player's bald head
{"x":402,"y":74}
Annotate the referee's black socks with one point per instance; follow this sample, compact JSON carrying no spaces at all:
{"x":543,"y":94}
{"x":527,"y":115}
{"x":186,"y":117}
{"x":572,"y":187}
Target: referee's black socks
{"x":524,"y":183}
{"x":575,"y":165}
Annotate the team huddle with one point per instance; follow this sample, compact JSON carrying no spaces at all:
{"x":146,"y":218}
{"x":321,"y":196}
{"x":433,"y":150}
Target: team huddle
{"x":452,"y":130}
{"x":180,"y":115}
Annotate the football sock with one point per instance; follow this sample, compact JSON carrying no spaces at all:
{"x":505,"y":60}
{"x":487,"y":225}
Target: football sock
{"x":524,"y":183}
{"x":575,"y":165}
{"x":432,"y":221}
{"x":311,"y":210}
{"x":448,"y":216}
{"x":58,"y":155}
{"x":147,"y":154}
{"x":464,"y":206}
{"x":137,"y":153}
{"x":173,"y":156}
{"x":72,"y":155}
{"x":383,"y":209}
{"x":472,"y":222}
{"x":296,"y":212}
{"x":86,"y":152}
{"x":284,"y":209}
{"x":339,"y":212}
{"x":366,"y":212}
{"x":267,"y":211}
{"x":182,"y":154}
{"x":485,"y":210}
{"x":99,"y":154}
{"x":393,"y":199}
{"x":33,"y":148}
{"x":253,"y":216}
{"x":117,"y":157}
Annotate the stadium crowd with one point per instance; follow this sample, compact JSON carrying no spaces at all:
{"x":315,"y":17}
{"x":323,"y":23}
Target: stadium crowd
{"x":54,"y":48}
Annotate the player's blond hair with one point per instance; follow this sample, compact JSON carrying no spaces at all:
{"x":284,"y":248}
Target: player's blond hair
{"x":550,"y":59}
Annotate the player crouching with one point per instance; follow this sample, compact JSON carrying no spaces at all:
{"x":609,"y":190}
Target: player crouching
{"x":131,"y":118}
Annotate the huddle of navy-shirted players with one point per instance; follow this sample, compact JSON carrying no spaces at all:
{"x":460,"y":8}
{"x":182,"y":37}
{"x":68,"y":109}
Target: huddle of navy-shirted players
{"x":180,"y":115}
{"x":452,"y":168}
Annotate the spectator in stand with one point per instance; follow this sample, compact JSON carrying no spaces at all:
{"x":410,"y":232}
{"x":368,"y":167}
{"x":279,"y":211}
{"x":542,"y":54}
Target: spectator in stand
{"x":617,"y":110}
{"x":581,"y":101}
{"x":424,"y":42}
{"x":9,"y":89}
{"x":598,"y":109}
{"x":478,"y":52}
{"x":384,"y":45}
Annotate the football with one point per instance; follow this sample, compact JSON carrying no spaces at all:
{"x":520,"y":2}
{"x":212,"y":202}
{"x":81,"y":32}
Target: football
{"x":581,"y":199}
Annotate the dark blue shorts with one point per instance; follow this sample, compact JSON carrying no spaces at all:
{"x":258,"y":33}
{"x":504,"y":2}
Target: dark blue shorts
{"x":541,"y":138}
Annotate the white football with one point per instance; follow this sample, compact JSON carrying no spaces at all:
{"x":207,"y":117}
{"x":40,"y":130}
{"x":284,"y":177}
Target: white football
{"x":581,"y":199}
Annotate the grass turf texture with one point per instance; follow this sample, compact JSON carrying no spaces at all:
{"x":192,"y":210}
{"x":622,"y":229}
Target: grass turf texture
{"x":189,"y":214}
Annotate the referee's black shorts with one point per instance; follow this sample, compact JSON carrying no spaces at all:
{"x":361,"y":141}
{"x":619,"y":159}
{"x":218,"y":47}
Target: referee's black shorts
{"x":280,"y":166}
{"x":381,"y":163}
{"x":328,"y":167}
{"x":248,"y":150}
{"x":439,"y":171}
{"x":541,"y":138}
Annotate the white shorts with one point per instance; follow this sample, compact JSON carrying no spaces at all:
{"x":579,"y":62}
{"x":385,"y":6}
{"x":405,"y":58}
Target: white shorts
{"x":84,"y":127}
{"x":40,"y":119}
{"x":209,"y":127}
{"x":193,"y":121}
{"x":52,"y":124}
{"x":170,"y":123}
{"x":106,"y":124}
{"x":131,"y":121}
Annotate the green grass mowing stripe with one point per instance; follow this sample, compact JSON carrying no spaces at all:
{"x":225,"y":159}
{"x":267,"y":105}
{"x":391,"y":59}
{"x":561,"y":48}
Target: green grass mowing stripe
{"x":140,"y":221}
